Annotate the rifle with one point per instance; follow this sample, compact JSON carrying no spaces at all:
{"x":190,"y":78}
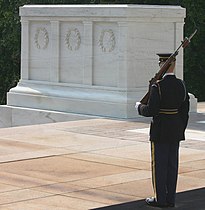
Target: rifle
{"x":166,"y":66}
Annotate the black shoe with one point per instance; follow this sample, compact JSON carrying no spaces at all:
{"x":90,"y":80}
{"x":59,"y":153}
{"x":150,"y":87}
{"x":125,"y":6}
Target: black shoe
{"x":170,"y":204}
{"x":152,"y":202}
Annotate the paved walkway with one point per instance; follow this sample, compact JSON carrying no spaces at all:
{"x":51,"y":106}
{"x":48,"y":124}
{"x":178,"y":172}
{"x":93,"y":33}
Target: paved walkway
{"x":93,"y":164}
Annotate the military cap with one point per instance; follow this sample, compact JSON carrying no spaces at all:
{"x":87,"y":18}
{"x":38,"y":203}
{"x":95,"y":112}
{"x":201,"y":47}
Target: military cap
{"x":163,"y":56}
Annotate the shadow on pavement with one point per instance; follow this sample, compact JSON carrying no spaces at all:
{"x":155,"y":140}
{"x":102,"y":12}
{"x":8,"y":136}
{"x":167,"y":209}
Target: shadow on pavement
{"x":188,"y":200}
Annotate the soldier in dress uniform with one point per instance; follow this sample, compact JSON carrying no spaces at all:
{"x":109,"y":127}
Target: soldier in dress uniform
{"x":169,"y":106}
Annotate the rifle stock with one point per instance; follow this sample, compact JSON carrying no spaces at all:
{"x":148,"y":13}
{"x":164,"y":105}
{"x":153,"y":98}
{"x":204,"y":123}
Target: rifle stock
{"x":145,"y":99}
{"x":165,"y":67}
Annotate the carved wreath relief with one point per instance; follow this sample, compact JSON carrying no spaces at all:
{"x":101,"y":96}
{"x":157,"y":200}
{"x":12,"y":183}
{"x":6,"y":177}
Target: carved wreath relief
{"x":41,"y":38}
{"x":73,"y":39}
{"x":107,"y":40}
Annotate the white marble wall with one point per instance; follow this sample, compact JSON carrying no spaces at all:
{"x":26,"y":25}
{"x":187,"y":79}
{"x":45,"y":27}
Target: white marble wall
{"x":93,"y":60}
{"x":20,"y":116}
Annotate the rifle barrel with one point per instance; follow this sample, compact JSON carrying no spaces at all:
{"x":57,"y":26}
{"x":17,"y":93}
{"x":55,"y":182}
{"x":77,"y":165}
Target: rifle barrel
{"x":163,"y":69}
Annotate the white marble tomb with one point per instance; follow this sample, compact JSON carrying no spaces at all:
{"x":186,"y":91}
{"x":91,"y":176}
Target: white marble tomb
{"x":93,"y":59}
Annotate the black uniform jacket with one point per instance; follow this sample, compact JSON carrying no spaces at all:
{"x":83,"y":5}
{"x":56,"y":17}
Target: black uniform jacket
{"x":169,"y":106}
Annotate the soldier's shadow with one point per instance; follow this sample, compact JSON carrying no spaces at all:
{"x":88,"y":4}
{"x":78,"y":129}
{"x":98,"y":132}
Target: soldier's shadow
{"x":188,"y":200}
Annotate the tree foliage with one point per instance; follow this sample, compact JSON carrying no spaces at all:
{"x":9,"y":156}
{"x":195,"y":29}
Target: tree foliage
{"x":9,"y":46}
{"x":194,"y":68}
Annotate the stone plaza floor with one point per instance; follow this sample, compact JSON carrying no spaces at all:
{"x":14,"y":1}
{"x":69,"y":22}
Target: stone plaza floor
{"x":93,"y":163}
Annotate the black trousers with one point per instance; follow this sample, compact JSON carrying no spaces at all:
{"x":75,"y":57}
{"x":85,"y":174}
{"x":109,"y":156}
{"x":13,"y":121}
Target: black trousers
{"x":165,"y":158}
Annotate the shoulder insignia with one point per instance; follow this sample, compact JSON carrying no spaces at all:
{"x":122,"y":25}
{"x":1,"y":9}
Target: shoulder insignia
{"x":154,"y":85}
{"x":157,"y":85}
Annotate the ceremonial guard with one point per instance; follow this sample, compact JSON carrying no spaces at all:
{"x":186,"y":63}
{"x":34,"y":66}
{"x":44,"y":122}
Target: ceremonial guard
{"x":168,"y":104}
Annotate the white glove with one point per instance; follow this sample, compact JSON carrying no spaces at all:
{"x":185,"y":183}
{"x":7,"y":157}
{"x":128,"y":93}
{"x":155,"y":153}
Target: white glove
{"x":137,"y":105}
